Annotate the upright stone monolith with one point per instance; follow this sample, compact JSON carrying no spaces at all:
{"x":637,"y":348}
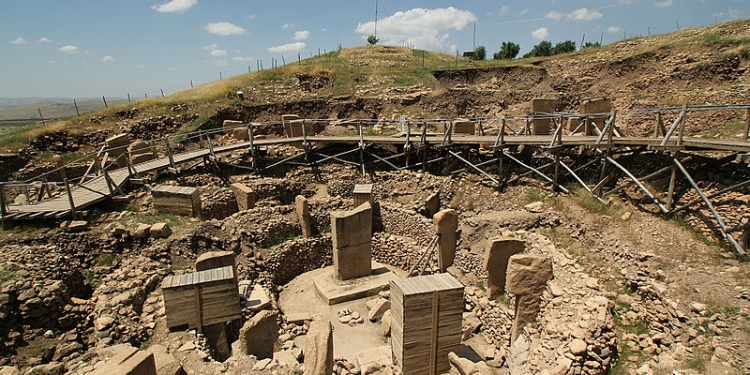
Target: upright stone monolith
{"x":526,"y":279}
{"x":352,"y":247}
{"x":496,"y":256}
{"x":446,"y":225}
{"x":259,"y":334}
{"x":303,"y":215}
{"x":244,"y":195}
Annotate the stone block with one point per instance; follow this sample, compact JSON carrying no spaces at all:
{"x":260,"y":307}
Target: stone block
{"x":128,"y":361}
{"x":601,"y":106}
{"x":319,"y":348}
{"x":446,"y":225}
{"x":139,"y":147}
{"x":241,"y":134}
{"x":259,"y":334}
{"x":528,"y":274}
{"x":302,"y":207}
{"x":166,"y":363}
{"x":217,"y":259}
{"x":543,"y":105}
{"x":160,"y":230}
{"x":229,"y":125}
{"x":464,"y":127}
{"x":117,"y":145}
{"x":496,"y":257}
{"x":141,"y":158}
{"x":432,"y":205}
{"x":74,"y":226}
{"x":352,"y":247}
{"x":527,"y":278}
{"x":216,"y":335}
{"x":245,"y":196}
{"x":142,"y":231}
{"x":285,"y":120}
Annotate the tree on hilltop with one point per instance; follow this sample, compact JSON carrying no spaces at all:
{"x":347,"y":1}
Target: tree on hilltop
{"x":480,"y":53}
{"x":544,"y":48}
{"x":564,"y":47}
{"x":372,"y":40}
{"x":508,"y":50}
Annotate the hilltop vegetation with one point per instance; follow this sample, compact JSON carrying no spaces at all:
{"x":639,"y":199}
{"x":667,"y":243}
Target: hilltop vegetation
{"x":693,"y":66}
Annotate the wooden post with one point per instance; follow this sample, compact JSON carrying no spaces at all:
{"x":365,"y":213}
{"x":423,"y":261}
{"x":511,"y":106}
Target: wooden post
{"x":76,"y":105}
{"x":670,"y":192}
{"x":682,"y":126}
{"x":105,"y":102}
{"x":73,"y":213}
{"x":747,"y":124}
{"x":40,"y":115}
{"x":3,"y":211}
{"x":169,"y":154}
{"x":659,"y":124}
{"x":198,"y":312}
{"x":162,"y":92}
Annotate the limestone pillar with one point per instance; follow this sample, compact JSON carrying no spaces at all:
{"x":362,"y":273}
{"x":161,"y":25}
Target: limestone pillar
{"x":245,"y":196}
{"x":259,"y":334}
{"x":319,"y":348}
{"x":526,"y":279}
{"x":446,"y":225}
{"x":496,"y":256}
{"x":303,"y":215}
{"x":352,"y":247}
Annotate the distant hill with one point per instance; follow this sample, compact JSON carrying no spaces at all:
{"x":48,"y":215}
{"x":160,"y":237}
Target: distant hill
{"x":28,"y":108}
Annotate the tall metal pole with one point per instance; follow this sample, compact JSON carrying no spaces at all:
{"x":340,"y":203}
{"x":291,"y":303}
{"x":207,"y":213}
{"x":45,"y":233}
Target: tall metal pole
{"x":376,"y":19}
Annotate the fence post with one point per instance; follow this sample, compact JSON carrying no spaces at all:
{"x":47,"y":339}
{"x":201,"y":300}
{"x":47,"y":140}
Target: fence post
{"x":73,"y":213}
{"x":747,"y":123}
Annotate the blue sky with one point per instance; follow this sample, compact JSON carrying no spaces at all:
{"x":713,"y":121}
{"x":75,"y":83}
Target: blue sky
{"x":90,"y":48}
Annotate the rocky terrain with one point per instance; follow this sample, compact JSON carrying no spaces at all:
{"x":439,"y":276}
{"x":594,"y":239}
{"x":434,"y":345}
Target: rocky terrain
{"x":632,"y":292}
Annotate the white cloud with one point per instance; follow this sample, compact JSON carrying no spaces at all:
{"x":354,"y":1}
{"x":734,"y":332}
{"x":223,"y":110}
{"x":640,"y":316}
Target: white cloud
{"x":175,"y":6}
{"x":242,"y":59}
{"x":224,"y":28}
{"x":286,"y":48}
{"x":540,"y":33}
{"x":252,"y":16}
{"x":287,"y":26}
{"x":503,"y":11}
{"x":43,"y":40}
{"x":68,"y":49}
{"x":301,"y":35}
{"x":108,"y":58}
{"x":419,"y":27}
{"x":663,"y":4}
{"x":524,"y":12}
{"x":219,"y":63}
{"x":214,"y":50}
{"x":582,"y":14}
{"x":18,"y":41}
{"x":614,"y":29}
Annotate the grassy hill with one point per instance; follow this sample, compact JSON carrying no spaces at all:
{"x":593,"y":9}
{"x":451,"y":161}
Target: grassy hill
{"x":692,"y":66}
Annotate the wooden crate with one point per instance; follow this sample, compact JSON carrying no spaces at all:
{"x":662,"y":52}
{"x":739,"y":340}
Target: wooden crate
{"x":201,"y":298}
{"x":362,"y":193}
{"x":426,"y":322}
{"x":183,"y":200}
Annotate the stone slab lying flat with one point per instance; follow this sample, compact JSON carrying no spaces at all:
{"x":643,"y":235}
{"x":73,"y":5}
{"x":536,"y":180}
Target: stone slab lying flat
{"x":334,"y":291}
{"x":381,"y":355}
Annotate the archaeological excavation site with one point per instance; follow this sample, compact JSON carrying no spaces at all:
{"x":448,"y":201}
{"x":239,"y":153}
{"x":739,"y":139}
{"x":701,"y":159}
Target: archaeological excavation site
{"x":582,"y":214}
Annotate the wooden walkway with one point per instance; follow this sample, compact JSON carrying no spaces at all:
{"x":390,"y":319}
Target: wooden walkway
{"x":97,"y":189}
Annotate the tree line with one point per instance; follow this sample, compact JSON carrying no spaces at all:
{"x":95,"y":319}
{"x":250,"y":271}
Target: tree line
{"x":509,"y":50}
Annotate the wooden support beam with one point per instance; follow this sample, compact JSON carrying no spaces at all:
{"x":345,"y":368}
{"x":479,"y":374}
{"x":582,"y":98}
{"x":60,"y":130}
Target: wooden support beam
{"x":735,"y":187}
{"x":747,"y":124}
{"x":711,"y":208}
{"x":536,"y":171}
{"x":635,"y":180}
{"x":474,"y":167}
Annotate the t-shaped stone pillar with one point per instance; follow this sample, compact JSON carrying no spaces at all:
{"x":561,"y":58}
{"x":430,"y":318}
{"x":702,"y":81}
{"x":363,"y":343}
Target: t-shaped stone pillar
{"x":527,"y":277}
{"x":446,"y":225}
{"x":496,"y":256}
{"x":352,"y":245}
{"x":302,"y":207}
